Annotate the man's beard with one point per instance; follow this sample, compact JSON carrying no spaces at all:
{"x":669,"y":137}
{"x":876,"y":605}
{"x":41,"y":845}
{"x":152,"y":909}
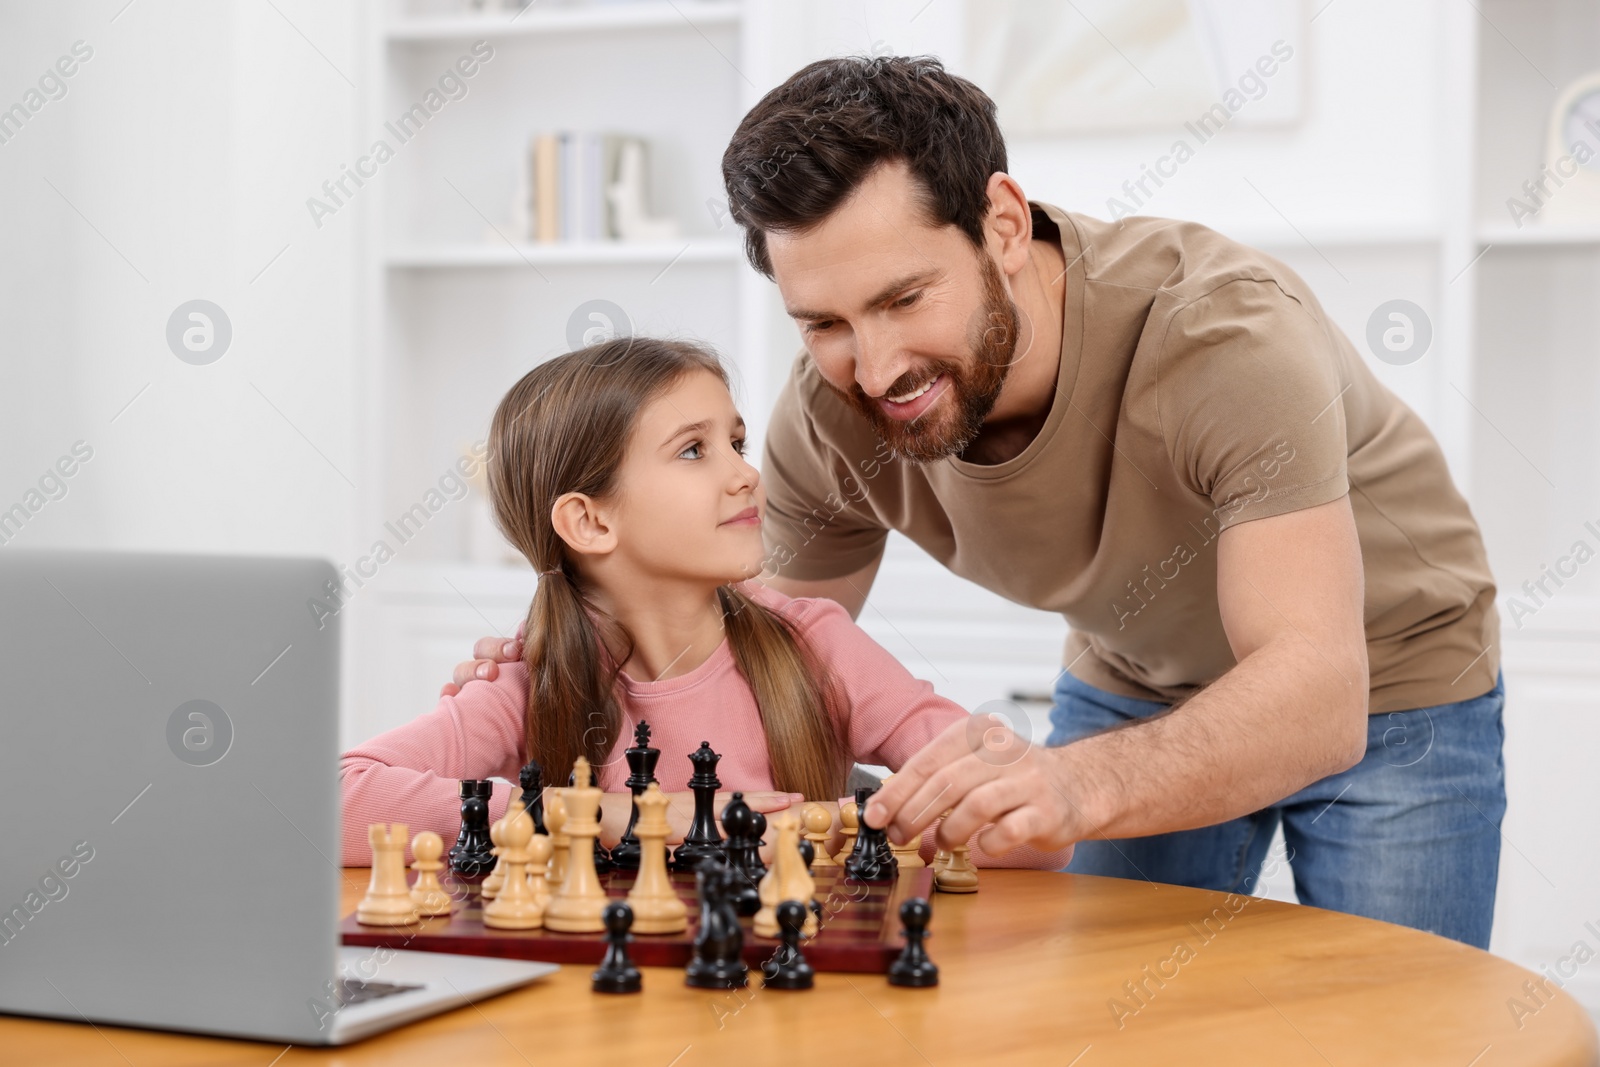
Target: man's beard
{"x":973,"y":386}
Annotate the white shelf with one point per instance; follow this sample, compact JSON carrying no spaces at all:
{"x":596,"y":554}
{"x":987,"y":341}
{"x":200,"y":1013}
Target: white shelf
{"x":1536,"y":234}
{"x":575,"y":253}
{"x":647,"y":14}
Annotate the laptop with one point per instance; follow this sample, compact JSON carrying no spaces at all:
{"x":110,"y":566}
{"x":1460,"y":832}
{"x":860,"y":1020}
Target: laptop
{"x":169,"y":785}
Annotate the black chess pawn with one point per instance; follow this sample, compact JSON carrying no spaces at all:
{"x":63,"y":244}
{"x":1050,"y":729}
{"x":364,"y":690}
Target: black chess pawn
{"x":703,"y":841}
{"x":642,"y":771}
{"x":602,"y":858}
{"x":741,"y":853}
{"x":719,"y":942}
{"x":617,"y":974}
{"x":808,"y":852}
{"x":913,"y":968}
{"x":788,"y":969}
{"x":471,"y":857}
{"x":531,"y":779}
{"x":871,"y":860}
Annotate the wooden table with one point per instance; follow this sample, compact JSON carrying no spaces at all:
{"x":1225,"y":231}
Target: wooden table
{"x":1033,"y":969}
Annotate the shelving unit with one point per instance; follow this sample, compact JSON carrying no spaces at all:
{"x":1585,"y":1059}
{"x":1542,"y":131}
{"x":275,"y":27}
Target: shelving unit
{"x":458,"y":307}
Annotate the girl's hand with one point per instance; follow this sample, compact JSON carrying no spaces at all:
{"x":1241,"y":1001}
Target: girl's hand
{"x":489,"y":653}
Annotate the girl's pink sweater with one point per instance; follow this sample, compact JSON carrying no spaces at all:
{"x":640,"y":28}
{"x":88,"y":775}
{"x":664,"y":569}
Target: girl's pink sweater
{"x":411,"y":773}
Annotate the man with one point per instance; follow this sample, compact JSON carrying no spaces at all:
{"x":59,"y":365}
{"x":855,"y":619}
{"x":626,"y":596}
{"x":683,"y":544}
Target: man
{"x":1281,"y":608}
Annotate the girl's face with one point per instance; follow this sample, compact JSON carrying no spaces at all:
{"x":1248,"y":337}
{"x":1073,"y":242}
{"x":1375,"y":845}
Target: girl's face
{"x":687,"y":503}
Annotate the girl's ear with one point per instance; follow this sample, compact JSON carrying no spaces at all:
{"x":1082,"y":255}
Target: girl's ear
{"x":583,"y":524}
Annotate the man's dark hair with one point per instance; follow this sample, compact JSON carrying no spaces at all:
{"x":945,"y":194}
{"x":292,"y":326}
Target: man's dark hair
{"x":811,"y":141}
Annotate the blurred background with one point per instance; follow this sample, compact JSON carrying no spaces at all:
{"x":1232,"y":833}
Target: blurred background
{"x":269,"y":265}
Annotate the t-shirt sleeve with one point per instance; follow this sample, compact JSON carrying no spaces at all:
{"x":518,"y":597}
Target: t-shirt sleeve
{"x":816,"y":525}
{"x":1249,"y":400}
{"x":411,"y":774}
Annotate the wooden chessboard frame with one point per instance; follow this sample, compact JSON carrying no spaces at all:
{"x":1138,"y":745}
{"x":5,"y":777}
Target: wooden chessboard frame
{"x":860,"y":931}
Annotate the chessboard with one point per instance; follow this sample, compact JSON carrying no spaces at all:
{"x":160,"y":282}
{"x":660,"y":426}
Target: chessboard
{"x":859,"y":931}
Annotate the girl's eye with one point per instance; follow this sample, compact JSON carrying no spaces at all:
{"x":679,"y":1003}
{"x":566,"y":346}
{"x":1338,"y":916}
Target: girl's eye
{"x":738,"y":445}
{"x":695,"y":448}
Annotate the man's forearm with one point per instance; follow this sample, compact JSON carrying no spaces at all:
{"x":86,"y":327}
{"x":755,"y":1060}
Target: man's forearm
{"x":1282,"y":718}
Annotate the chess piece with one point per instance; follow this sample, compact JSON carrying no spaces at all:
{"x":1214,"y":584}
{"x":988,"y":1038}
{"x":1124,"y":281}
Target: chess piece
{"x":497,"y":877}
{"x":871,"y":860}
{"x":913,"y":969}
{"x":719,"y":941}
{"x":576,"y":906}
{"x":602,"y":858}
{"x":555,"y":816}
{"x":388,"y":901}
{"x":850,"y":822}
{"x":741,"y":854}
{"x":642,"y":771}
{"x":744,"y":827}
{"x":788,"y":879}
{"x":958,"y":875}
{"x":909,"y":855}
{"x":531,"y":778}
{"x":426,"y":893}
{"x":539,"y":850}
{"x":788,"y":969}
{"x":702,"y":841}
{"x":818,"y":823}
{"x":472,"y":853}
{"x":656,"y":906}
{"x":515,"y":907}
{"x":617,"y":974}
{"x":808,"y":853}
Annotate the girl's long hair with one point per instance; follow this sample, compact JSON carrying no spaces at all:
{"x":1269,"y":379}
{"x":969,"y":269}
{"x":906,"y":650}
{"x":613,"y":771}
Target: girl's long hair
{"x":565,"y":428}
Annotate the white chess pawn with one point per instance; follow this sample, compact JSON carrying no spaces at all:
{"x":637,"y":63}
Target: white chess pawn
{"x":851,"y":822}
{"x":818,"y":823}
{"x":428,"y":895}
{"x":515,"y":907}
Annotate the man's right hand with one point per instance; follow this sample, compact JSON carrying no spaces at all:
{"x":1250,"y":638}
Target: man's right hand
{"x":489,"y":653}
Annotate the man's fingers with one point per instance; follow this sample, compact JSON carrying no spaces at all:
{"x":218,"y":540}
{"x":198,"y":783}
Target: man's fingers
{"x":887,"y":804}
{"x":483,"y":669}
{"x":498,"y":649}
{"x":984,"y":802}
{"x":1017,"y":827}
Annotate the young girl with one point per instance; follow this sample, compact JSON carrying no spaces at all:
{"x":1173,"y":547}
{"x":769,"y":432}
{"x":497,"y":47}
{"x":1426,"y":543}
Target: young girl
{"x":618,"y":470}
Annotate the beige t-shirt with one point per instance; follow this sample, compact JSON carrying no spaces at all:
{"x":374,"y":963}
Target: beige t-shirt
{"x":1201,"y":385}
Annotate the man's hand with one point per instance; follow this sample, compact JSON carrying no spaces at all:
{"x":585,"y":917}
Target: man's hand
{"x":1293,"y":709}
{"x":982,"y":773}
{"x":489,"y":653}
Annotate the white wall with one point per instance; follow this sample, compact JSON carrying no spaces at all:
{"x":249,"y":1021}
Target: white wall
{"x":176,"y":167}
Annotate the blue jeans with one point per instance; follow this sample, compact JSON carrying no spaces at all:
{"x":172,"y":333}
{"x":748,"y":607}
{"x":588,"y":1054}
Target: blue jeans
{"x":1409,"y":835}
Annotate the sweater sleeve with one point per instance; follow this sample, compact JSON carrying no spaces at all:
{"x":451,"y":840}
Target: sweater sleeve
{"x":411,"y":774}
{"x":891,"y":713}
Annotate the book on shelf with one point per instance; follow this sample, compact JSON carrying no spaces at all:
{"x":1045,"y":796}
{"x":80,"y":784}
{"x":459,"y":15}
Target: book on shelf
{"x":563,"y":183}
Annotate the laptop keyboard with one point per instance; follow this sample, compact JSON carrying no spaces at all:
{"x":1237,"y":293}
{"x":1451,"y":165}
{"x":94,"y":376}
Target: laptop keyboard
{"x":348,"y":991}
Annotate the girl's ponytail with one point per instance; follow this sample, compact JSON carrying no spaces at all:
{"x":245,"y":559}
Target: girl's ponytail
{"x":567,"y":680}
{"x":799,"y":710}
